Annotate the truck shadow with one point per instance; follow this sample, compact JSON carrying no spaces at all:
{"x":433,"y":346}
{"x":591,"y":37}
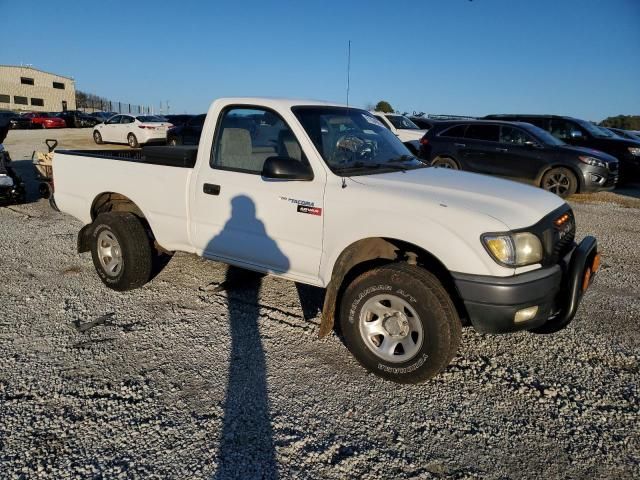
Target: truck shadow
{"x":246,"y":447}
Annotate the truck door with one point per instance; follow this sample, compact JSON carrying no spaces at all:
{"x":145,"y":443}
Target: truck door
{"x":238,"y":216}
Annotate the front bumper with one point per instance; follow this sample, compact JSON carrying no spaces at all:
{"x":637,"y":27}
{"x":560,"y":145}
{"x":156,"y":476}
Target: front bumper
{"x":597,"y":179}
{"x":492,"y":302}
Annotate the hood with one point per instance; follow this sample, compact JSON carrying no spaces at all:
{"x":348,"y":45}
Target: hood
{"x":514,"y":204}
{"x":589,"y":151}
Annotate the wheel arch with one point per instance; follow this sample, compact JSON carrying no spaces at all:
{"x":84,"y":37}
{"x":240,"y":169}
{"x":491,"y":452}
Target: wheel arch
{"x":109,"y":202}
{"x":372,"y":252}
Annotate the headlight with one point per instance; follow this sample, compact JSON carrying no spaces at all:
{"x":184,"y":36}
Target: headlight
{"x":594,"y":162}
{"x":515,"y":249}
{"x":634,"y":151}
{"x":6,"y":181}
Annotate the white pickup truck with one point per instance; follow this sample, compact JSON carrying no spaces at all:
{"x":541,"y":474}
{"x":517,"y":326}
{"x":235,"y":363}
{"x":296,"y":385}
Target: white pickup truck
{"x":323,"y":194}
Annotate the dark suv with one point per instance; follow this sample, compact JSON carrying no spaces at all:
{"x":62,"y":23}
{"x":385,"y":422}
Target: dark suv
{"x":519,"y":151}
{"x":584,"y":134}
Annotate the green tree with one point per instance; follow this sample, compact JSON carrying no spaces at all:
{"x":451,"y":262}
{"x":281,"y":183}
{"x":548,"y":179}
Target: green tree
{"x":384,"y":106}
{"x":625,"y":122}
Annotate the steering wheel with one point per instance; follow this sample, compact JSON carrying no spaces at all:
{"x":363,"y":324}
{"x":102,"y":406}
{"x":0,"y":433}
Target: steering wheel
{"x":350,"y":148}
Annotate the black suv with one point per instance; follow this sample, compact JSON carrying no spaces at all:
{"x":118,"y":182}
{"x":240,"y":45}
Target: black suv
{"x":77,"y":119}
{"x":519,"y":151}
{"x":187,"y":134}
{"x":584,"y":134}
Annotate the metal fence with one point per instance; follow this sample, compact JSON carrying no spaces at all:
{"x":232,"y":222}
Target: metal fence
{"x":90,"y":106}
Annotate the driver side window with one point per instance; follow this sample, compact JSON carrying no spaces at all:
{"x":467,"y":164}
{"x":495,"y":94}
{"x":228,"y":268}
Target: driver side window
{"x":513,"y":136}
{"x":246,"y":137}
{"x":115,"y":119}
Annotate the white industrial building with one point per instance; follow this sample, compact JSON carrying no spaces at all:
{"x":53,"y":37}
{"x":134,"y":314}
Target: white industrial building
{"x":29,"y":89}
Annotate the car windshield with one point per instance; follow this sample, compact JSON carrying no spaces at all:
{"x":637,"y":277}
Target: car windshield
{"x":150,"y":119}
{"x":544,"y":136}
{"x":594,"y":130}
{"x":354,"y":142}
{"x":400,"y":121}
{"x":609,"y":133}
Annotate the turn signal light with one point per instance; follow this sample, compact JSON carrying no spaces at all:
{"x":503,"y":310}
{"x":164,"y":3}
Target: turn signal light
{"x":563,"y":219}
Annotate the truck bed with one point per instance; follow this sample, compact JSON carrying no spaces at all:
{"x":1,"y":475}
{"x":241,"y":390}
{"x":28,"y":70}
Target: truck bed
{"x":178,"y":156}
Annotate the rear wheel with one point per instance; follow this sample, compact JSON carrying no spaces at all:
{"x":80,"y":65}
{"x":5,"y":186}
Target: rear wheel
{"x":97,"y":137}
{"x":121,"y":251}
{"x":132,"y":141}
{"x":173,"y":141}
{"x":445,"y":162}
{"x":400,"y":323}
{"x":560,"y":181}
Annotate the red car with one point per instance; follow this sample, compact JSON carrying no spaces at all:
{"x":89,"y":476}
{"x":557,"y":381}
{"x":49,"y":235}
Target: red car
{"x":45,"y":120}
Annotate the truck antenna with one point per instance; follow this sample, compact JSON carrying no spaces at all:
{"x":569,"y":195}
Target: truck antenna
{"x":348,"y":70}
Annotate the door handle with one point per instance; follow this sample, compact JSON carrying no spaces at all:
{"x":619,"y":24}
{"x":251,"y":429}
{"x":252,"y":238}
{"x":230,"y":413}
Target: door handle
{"x":211,"y":189}
{"x":460,"y":145}
{"x":503,"y":150}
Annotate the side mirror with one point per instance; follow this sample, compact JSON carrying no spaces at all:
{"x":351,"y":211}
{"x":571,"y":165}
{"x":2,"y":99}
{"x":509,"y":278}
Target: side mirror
{"x":285,"y":168}
{"x":576,"y":134}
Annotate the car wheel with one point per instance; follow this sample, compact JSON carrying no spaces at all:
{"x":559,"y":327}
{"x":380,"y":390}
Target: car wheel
{"x":560,"y":181}
{"x":173,"y":142}
{"x":97,"y":137}
{"x":121,"y":251}
{"x":132,"y":141}
{"x":399,"y":322}
{"x":445,"y":162}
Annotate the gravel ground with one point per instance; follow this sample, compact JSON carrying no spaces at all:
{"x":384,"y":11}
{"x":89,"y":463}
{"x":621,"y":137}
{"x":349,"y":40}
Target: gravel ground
{"x":182,"y":379}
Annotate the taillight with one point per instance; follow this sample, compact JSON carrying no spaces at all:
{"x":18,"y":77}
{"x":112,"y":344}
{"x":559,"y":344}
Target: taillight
{"x":424,"y":141}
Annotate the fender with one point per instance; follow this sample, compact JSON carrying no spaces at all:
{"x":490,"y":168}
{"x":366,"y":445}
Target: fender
{"x":368,"y":249}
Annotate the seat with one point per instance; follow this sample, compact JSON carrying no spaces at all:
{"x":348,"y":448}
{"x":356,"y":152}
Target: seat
{"x":288,"y":145}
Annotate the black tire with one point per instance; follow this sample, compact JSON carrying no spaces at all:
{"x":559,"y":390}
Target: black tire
{"x":445,"y":162}
{"x":133,"y":246}
{"x":97,"y":137}
{"x":561,"y":181}
{"x":132,"y":141}
{"x":432,"y":309}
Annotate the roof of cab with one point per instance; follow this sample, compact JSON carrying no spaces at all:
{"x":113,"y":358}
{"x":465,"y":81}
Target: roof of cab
{"x":275,"y":102}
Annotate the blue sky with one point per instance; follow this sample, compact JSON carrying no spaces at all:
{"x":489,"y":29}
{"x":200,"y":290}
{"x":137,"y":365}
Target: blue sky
{"x":576,"y":57}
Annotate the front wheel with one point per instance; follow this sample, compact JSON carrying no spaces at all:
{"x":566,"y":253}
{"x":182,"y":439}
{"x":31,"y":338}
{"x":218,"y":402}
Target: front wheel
{"x":132,"y":141}
{"x":97,"y":137}
{"x":121,"y":251}
{"x":560,"y":181}
{"x":399,"y":322}
{"x":445,"y":162}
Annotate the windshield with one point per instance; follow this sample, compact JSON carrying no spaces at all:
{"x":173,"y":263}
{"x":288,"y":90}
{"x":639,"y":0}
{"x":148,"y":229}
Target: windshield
{"x":545,"y":136}
{"x":150,"y":119}
{"x":608,"y":133}
{"x":354,"y":142}
{"x":400,"y":121}
{"x":594,"y":130}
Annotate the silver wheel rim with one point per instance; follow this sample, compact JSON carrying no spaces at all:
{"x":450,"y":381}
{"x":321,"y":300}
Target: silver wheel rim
{"x":391,"y":328}
{"x":96,"y":137}
{"x":443,"y":164}
{"x":132,"y":142}
{"x":109,"y":253}
{"x":558,"y":183}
